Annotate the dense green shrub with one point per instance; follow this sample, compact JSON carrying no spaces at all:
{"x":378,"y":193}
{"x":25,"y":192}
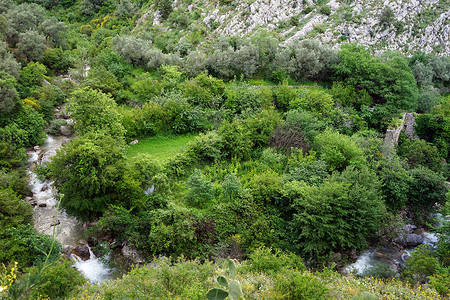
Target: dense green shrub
{"x":93,"y":110}
{"x":55,"y":126}
{"x":420,"y":153}
{"x":426,"y":189}
{"x":388,"y":80}
{"x":237,"y":142}
{"x":273,"y":261}
{"x":341,"y":214}
{"x":338,"y":150}
{"x":58,"y":281}
{"x":90,"y":171}
{"x":207,"y":146}
{"x":420,"y":265}
{"x":315,"y":101}
{"x":199,"y":190}
{"x":24,"y":245}
{"x":14,"y":211}
{"x":298,"y":285}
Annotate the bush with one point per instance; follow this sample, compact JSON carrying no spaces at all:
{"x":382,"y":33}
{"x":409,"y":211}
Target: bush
{"x":441,"y":282}
{"x":237,"y":142}
{"x":338,"y":150}
{"x":426,"y":189}
{"x":342,"y":213}
{"x":325,"y":10}
{"x":420,"y":265}
{"x":55,"y":126}
{"x":301,"y":286}
{"x":315,"y":101}
{"x":200,"y":190}
{"x":207,"y":146}
{"x":58,"y":281}
{"x":271,"y":261}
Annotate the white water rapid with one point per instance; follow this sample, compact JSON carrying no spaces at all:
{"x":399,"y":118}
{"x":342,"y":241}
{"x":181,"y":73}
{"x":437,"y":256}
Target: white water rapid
{"x":94,"y":269}
{"x":69,"y":230}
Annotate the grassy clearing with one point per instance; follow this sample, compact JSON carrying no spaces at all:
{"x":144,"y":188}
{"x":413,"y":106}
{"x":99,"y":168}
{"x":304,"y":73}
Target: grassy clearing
{"x":161,"y":147}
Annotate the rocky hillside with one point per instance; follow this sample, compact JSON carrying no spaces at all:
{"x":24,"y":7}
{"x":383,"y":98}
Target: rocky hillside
{"x":407,"y":26}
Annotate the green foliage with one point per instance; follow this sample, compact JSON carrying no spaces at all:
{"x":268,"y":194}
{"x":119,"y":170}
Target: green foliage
{"x":95,"y":111}
{"x":441,"y":282}
{"x":202,"y":90}
{"x":298,"y":285}
{"x":396,"y":182}
{"x":200,"y":190}
{"x":340,"y":214}
{"x":347,"y":95}
{"x":55,"y":126}
{"x":420,"y":265}
{"x":207,"y":146}
{"x":388,"y":79}
{"x":239,"y":98}
{"x":338,"y":150}
{"x":7,"y":63}
{"x":284,"y":95}
{"x":307,"y":59}
{"x":24,"y":245}
{"x":315,"y":101}
{"x":234,"y":286}
{"x":387,"y":16}
{"x":57,"y":60}
{"x":31,"y":45}
{"x":231,"y":186}
{"x":428,"y":98}
{"x":273,"y":261}
{"x":325,"y":10}
{"x":236,"y":139}
{"x":90,"y":172}
{"x":8,"y":94}
{"x":25,"y":129}
{"x":21,"y":18}
{"x":435,"y":128}
{"x":260,"y":126}
{"x":58,"y":281}
{"x":420,"y":153}
{"x":102,"y":80}
{"x":32,"y":75}
{"x":164,"y":7}
{"x":426,"y":189}
{"x":265,"y":187}
{"x":14,"y":211}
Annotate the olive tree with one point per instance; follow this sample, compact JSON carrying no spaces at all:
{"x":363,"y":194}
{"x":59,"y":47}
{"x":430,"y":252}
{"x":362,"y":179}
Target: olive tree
{"x":31,"y":45}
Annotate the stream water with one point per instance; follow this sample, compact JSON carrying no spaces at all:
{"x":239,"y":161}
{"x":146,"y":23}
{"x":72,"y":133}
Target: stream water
{"x":388,"y":256}
{"x":47,"y":217}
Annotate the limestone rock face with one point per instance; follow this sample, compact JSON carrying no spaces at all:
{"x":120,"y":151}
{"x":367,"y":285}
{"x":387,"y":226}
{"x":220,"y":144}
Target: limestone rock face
{"x":411,"y":26}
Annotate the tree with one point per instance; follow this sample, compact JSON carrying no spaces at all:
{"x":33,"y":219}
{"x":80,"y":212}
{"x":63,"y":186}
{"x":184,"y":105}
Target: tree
{"x":89,"y":172}
{"x":340,"y":214}
{"x":31,"y":45}
{"x":32,"y":75}
{"x":8,"y":93}
{"x":389,"y":79}
{"x":54,"y":32}
{"x":7,"y":62}
{"x":22,"y":18}
{"x":308,"y":59}
{"x":95,"y":111}
{"x":14,"y":211}
{"x":338,"y":150}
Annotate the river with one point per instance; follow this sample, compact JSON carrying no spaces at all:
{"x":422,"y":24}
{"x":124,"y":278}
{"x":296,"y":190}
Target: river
{"x":69,"y":230}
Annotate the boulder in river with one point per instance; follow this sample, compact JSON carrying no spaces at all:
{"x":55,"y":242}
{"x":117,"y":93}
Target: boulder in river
{"x":82,"y":252}
{"x":66,"y":130}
